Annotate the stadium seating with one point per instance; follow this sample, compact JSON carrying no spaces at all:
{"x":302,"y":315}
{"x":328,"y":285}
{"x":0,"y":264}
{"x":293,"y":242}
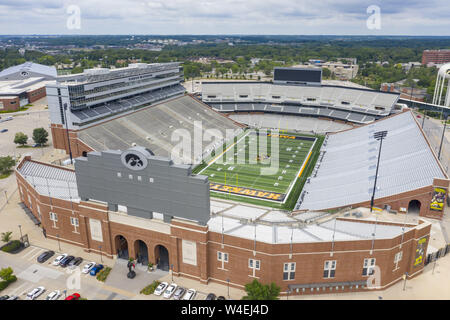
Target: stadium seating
{"x":346,"y":173}
{"x":153,"y":127}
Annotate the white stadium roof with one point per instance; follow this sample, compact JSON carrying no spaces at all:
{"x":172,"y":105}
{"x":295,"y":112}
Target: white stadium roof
{"x":346,"y":174}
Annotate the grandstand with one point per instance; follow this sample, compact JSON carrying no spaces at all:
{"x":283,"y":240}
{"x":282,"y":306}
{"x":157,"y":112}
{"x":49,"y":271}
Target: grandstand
{"x":345,"y":172}
{"x":290,"y":123}
{"x":342,"y":103}
{"x":153,"y":127}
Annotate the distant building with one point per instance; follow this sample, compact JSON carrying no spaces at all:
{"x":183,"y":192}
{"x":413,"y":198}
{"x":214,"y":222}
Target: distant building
{"x":436,"y":56}
{"x":416,"y":94}
{"x":24,"y":84}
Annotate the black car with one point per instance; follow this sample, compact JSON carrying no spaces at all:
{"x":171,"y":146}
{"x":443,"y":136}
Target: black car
{"x":211,"y":296}
{"x":4,"y":297}
{"x":75,"y":262}
{"x":45,"y":256}
{"x":64,"y":262}
{"x":221,"y":298}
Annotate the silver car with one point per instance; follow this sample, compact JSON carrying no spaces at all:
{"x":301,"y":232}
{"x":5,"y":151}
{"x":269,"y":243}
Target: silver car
{"x":35,"y":293}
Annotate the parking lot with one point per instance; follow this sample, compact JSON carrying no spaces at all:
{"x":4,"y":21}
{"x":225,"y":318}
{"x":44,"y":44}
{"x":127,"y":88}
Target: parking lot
{"x":31,"y":274}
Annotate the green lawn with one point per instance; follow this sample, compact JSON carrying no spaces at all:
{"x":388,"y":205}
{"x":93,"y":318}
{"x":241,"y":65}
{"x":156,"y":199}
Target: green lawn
{"x":232,"y":169}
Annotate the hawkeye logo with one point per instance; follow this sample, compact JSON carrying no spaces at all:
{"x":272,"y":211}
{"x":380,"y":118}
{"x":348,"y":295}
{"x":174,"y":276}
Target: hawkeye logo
{"x":134,"y":160}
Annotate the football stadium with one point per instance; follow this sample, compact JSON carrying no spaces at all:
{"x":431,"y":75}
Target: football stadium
{"x":287,"y":185}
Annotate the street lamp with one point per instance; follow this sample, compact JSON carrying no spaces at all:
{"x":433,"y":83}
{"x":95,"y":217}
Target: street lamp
{"x":101,"y":257}
{"x":59,"y":244}
{"x":404,"y":278}
{"x":442,"y":139}
{"x":171,"y":267}
{"x":228,"y":283}
{"x":20,"y":229}
{"x":379,"y":135}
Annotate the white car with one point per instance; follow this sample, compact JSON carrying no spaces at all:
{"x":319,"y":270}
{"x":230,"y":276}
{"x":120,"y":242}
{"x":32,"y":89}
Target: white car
{"x":54,"y":295}
{"x":189,"y":295}
{"x":87,"y":268}
{"x":170,"y":290}
{"x":35,"y":293}
{"x":59,"y":259}
{"x":160,"y":289}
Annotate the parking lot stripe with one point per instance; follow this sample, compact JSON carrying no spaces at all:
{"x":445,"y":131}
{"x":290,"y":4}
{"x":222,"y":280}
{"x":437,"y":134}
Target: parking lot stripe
{"x":35,"y":255}
{"x":29,"y":252}
{"x":14,"y":293}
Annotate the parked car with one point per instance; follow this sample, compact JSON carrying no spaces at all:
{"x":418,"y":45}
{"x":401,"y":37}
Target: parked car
{"x":211,"y":296}
{"x":75,"y":262}
{"x":88,"y":267}
{"x":45,"y":256}
{"x":59,"y":258}
{"x":4,"y":130}
{"x":179,"y":293}
{"x":13,"y":298}
{"x":221,"y":298}
{"x":190,"y":294}
{"x":170,"y":290}
{"x":54,"y":295}
{"x":161,"y":288}
{"x":4,"y":298}
{"x":96,"y":269}
{"x":64,"y":262}
{"x":35,"y":293}
{"x":75,"y":296}
{"x":36,"y":145}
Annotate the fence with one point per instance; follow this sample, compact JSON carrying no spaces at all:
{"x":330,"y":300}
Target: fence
{"x":433,"y":130}
{"x":438,"y":254}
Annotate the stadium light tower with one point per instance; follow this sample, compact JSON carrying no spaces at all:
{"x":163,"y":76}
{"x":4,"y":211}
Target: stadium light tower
{"x":379,"y":135}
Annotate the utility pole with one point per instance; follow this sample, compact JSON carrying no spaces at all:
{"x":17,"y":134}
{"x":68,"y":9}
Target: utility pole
{"x":442,"y":139}
{"x":380,"y":135}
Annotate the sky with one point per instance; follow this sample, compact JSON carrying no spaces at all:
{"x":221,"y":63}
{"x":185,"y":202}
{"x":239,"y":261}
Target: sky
{"x":287,"y":17}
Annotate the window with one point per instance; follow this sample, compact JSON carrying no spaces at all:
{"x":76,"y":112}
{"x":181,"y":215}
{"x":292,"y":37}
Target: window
{"x":75,"y":223}
{"x":29,"y":201}
{"x":54,"y":218}
{"x":289,"y":271}
{"x":139,"y":178}
{"x":222,"y":257}
{"x":398,"y":257}
{"x":329,"y":269}
{"x":39,"y":211}
{"x":369,"y":265}
{"x":119,"y":175}
{"x":130,"y":176}
{"x":151,"y":180}
{"x":254,"y":265}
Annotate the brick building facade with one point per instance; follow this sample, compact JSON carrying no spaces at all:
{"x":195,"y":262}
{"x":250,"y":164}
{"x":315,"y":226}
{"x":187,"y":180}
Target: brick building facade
{"x":196,"y":252}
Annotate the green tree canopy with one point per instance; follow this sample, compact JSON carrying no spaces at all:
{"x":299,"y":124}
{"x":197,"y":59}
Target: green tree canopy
{"x":258,"y":291}
{"x":20,"y":138}
{"x":6,"y":236}
{"x":6,"y":163}
{"x":40,"y":135}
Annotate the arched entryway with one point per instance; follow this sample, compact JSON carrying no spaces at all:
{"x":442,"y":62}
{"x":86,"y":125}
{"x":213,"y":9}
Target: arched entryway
{"x":414,"y":207}
{"x":162,"y":257}
{"x":122,"y":247}
{"x":141,"y":250}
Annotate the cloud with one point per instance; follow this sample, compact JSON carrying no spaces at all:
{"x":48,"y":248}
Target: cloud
{"x":225,"y":16}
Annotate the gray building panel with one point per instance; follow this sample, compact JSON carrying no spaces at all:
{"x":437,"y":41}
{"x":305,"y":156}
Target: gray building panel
{"x":158,"y":186}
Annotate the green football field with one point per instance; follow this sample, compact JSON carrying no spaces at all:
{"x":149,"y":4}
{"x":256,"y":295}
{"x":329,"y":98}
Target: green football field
{"x":232,"y":172}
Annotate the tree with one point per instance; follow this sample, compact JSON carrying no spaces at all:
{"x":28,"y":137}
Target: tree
{"x":258,"y":291}
{"x":6,"y":163}
{"x":6,"y":236}
{"x":20,"y":138}
{"x":40,"y":136}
